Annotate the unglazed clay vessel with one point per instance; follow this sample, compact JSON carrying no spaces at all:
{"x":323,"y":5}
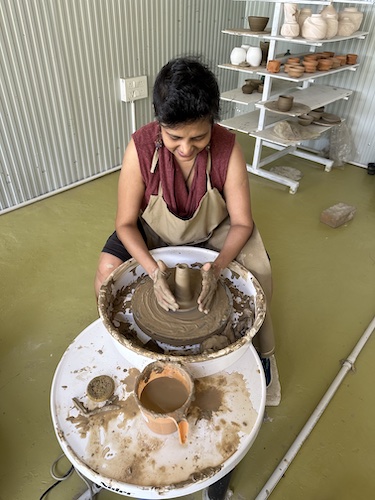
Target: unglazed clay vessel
{"x":332,"y":26}
{"x":353,"y":14}
{"x":346,"y":27}
{"x":273,"y":65}
{"x":303,"y":15}
{"x":290,"y":29}
{"x":254,"y":56}
{"x":237,"y":56}
{"x":285,"y":102}
{"x":329,"y":10}
{"x":314,"y":28}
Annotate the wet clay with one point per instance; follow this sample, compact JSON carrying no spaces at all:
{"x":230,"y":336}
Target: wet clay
{"x":164,"y":395}
{"x":187,"y":325}
{"x":100,"y":388}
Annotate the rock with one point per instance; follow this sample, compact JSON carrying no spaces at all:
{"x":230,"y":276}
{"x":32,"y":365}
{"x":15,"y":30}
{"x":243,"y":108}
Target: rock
{"x":290,"y":172}
{"x":337,"y":215}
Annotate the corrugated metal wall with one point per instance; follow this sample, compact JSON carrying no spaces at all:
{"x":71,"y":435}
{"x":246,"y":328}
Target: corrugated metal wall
{"x":61,"y":60}
{"x":62,"y":120}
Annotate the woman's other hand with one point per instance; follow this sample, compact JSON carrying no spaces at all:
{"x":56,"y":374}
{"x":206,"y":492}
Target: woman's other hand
{"x":209,"y":285}
{"x":163,"y":295}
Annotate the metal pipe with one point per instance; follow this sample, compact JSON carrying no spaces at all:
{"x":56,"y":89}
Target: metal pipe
{"x":348,"y":364}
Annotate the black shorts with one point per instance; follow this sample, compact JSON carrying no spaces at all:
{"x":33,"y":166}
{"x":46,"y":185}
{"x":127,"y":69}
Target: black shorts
{"x":115,"y":247}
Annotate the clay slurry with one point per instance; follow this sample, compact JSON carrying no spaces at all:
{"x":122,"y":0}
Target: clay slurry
{"x":164,"y":395}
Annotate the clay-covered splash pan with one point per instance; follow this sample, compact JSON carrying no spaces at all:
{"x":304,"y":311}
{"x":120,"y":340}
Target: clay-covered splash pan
{"x":114,"y":304}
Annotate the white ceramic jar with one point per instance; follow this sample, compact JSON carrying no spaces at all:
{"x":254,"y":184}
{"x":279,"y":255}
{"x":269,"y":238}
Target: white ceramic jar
{"x":254,"y":56}
{"x":237,"y":56}
{"x":329,"y":10}
{"x":346,"y":27}
{"x":314,"y":27}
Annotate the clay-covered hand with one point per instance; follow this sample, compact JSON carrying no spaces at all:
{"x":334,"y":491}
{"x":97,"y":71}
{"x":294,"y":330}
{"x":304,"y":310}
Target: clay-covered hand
{"x":209,"y":285}
{"x":162,"y":291}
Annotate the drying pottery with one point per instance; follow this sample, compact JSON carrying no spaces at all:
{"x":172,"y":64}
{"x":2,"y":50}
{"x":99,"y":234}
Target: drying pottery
{"x":325,"y":64}
{"x":332,"y":26}
{"x":326,"y":54}
{"x":290,"y":12}
{"x":342,"y":60}
{"x":249,"y":87}
{"x":314,"y":27}
{"x":246,"y":47}
{"x":164,"y":392}
{"x":305,"y":120}
{"x":351,"y":58}
{"x":295,"y":71}
{"x":345,"y":27}
{"x":353,"y":14}
{"x":310,"y":66}
{"x":315,"y":114}
{"x":311,"y":57}
{"x":264,"y":47}
{"x":285,"y":102}
{"x":273,"y":66}
{"x":290,"y":30}
{"x":329,"y":10}
{"x":257,"y":23}
{"x":293,"y":60}
{"x":254,"y":56}
{"x":237,"y":56}
{"x":303,"y":15}
{"x":335,"y":63}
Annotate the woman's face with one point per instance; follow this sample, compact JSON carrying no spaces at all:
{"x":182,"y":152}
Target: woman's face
{"x":185,"y":141}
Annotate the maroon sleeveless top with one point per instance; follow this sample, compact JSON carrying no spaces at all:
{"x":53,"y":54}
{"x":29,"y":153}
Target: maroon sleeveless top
{"x":180,"y":201}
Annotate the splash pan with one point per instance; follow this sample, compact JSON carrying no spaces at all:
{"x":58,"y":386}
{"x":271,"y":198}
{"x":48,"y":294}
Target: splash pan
{"x":247,"y":298}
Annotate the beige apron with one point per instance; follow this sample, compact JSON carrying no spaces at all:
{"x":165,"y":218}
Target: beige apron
{"x":209,"y":227}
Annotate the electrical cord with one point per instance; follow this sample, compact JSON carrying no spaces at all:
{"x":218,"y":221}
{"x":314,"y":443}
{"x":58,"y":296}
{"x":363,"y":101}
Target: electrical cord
{"x":59,"y":479}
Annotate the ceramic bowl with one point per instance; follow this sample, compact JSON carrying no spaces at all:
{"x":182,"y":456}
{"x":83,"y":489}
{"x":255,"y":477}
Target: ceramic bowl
{"x":257,"y":23}
{"x":305,"y":120}
{"x":316,"y":115}
{"x":295,"y":71}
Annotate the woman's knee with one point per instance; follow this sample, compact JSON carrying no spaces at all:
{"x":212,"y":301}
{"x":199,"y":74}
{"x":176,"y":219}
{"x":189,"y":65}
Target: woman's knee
{"x":107,"y":264}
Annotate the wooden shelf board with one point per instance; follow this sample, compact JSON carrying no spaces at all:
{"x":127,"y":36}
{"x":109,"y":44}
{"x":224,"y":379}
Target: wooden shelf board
{"x":248,"y":122}
{"x":317,"y":43}
{"x":246,"y":32}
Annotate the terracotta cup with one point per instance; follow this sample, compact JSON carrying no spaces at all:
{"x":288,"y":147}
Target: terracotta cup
{"x":351,"y":58}
{"x":164,"y":392}
{"x":273,"y":66}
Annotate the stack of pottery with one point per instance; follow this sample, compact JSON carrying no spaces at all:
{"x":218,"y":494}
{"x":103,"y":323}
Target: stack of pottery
{"x":290,"y":28}
{"x":325,"y":64}
{"x":295,"y":70}
{"x":310,"y":65}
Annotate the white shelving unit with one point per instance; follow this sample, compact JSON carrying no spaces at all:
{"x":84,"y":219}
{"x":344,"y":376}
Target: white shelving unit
{"x":260,"y":122}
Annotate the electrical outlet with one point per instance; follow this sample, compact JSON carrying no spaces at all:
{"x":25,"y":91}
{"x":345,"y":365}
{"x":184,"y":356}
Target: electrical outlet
{"x":133,"y":88}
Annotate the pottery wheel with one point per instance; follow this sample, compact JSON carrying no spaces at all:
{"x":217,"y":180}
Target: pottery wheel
{"x":187,"y":325}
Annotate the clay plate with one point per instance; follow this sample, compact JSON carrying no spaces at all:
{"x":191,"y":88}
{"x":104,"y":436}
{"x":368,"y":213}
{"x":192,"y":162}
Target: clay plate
{"x":297,"y":108}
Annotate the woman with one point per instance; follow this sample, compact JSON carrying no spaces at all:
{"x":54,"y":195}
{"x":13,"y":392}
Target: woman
{"x":184,"y":182}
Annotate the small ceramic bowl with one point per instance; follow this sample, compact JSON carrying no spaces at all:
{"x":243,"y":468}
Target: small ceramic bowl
{"x":315,"y":115}
{"x":305,"y":120}
{"x":257,"y":23}
{"x":295,"y":71}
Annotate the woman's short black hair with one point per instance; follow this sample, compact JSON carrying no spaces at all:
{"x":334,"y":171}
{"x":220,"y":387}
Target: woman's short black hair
{"x":186,"y":90}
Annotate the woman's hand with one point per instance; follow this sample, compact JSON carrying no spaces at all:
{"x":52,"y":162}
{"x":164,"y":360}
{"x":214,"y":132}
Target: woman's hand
{"x":162,"y":292}
{"x":209,"y":285}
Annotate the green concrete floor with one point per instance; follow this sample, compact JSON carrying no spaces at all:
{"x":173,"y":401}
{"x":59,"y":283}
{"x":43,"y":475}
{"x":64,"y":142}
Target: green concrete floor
{"x":324,"y":299}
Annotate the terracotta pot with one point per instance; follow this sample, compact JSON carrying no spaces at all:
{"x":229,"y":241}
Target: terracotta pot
{"x":311,"y":57}
{"x":324,"y":64}
{"x":273,"y":66}
{"x":293,"y":60}
{"x":310,"y":66}
{"x":296,"y":71}
{"x":351,"y":58}
{"x":328,"y":54}
{"x":342,"y":60}
{"x":335,"y":63}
